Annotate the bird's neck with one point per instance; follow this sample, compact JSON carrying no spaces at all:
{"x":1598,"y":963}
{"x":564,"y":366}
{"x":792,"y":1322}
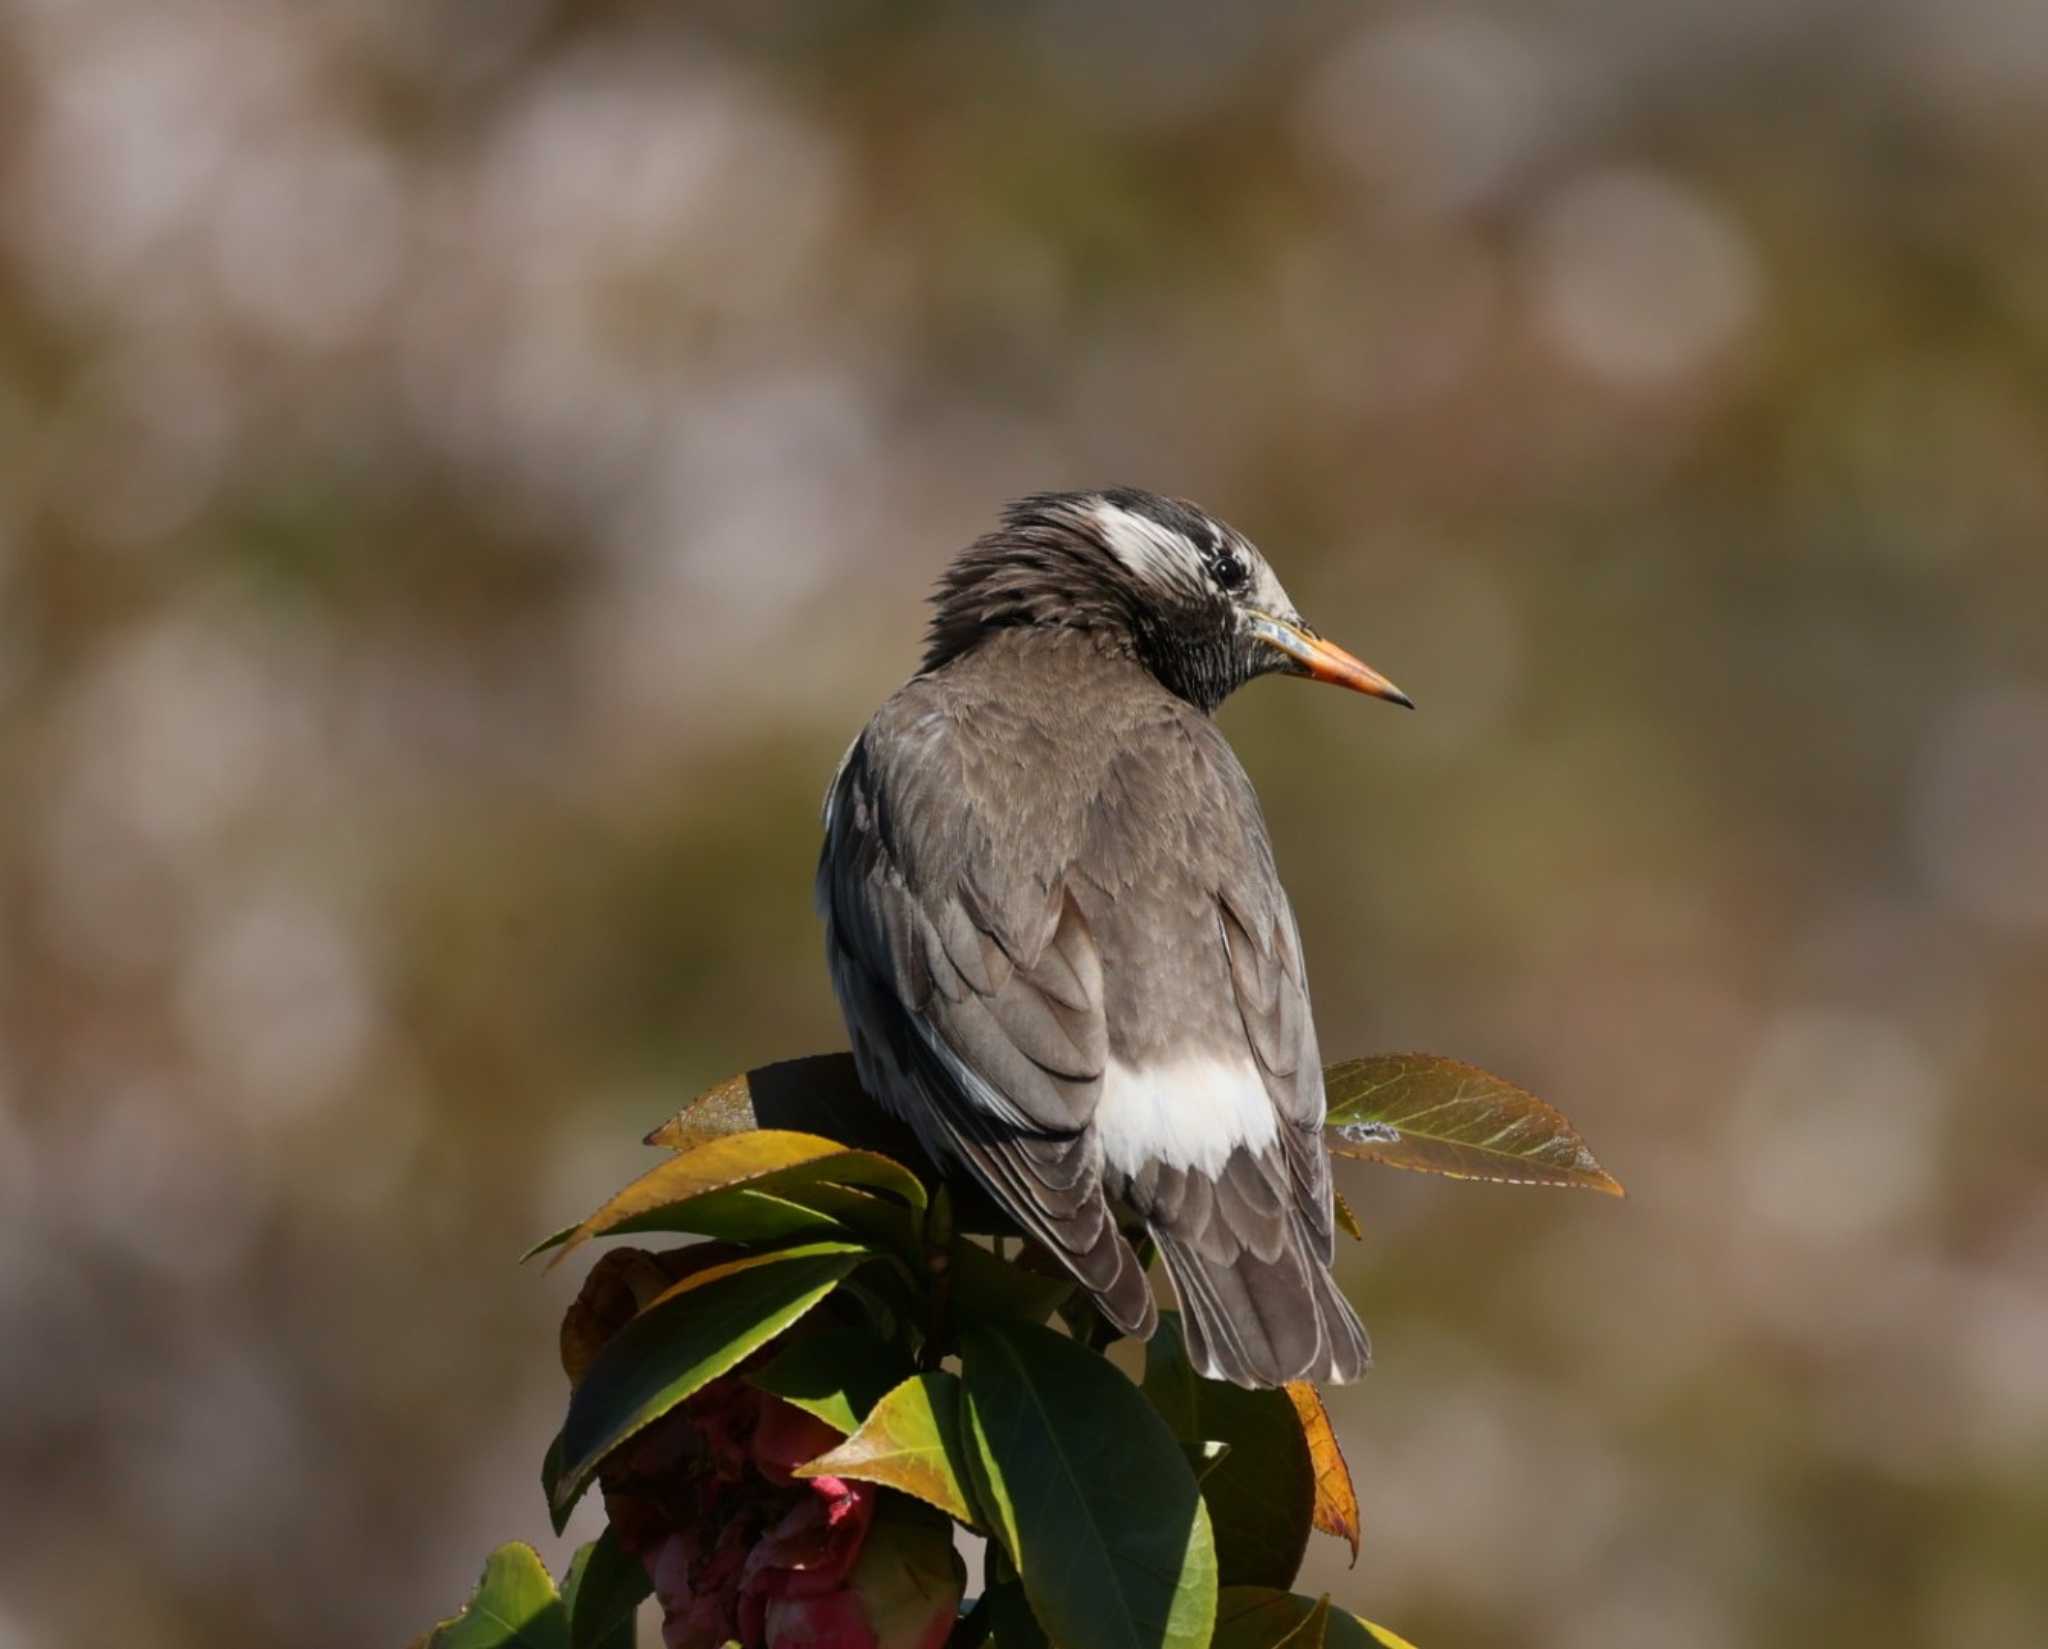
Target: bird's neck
{"x":1194,"y":657}
{"x":1047,"y":672}
{"x":1058,"y":657}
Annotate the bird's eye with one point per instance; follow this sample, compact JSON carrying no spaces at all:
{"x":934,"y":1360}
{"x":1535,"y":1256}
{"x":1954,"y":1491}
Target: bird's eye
{"x":1229,"y":571}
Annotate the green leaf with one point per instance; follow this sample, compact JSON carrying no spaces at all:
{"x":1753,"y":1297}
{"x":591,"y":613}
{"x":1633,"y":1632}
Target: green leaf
{"x":1262,"y":1496}
{"x":837,"y":1375}
{"x":685,"y":1339}
{"x":674,"y":1195}
{"x":912,"y":1441}
{"x":605,"y":1584}
{"x":986,"y":1287}
{"x":1011,"y":1622}
{"x":550,"y":1476}
{"x":747,"y":1213}
{"x":552,"y":1240}
{"x":1258,"y":1617}
{"x":515,"y":1606}
{"x":1446,"y":1117}
{"x":1088,"y":1493}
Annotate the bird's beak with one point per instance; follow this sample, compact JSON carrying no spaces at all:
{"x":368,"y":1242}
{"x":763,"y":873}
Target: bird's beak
{"x":1310,"y":655}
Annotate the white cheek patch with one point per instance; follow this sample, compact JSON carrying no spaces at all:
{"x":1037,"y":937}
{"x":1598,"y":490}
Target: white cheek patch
{"x":1150,"y":551}
{"x":1187,"y":1113}
{"x":1267,"y":595}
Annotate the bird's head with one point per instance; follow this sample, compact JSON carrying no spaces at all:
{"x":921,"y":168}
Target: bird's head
{"x":1187,"y":595}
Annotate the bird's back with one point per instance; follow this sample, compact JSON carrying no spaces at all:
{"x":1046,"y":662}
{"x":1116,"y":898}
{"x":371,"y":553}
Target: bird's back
{"x":1065,"y":957}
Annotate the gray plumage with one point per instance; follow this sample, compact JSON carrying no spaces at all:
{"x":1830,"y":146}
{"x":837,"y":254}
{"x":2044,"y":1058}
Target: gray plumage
{"x":1059,"y":940}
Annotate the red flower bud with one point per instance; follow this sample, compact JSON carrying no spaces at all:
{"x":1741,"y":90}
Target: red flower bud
{"x":834,"y":1621}
{"x":902,"y":1593}
{"x":910,"y":1577}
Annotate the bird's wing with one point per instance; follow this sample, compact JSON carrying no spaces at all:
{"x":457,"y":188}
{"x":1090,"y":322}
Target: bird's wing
{"x":1270,"y":986}
{"x":973,"y":987}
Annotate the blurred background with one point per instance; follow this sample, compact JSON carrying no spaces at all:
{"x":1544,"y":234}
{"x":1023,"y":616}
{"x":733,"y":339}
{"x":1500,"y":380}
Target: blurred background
{"x":467,"y":470}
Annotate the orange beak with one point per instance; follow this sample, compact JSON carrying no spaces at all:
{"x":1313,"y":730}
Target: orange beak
{"x":1321,"y":660}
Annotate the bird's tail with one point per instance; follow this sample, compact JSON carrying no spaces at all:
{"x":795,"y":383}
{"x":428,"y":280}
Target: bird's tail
{"x":1264,"y":1322}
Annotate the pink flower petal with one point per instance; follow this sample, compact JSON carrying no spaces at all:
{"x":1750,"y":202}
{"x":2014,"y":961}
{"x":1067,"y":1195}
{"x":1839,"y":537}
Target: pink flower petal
{"x":834,"y":1621}
{"x":812,"y":1548}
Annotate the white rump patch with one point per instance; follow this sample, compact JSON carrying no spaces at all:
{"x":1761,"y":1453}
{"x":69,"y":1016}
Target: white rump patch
{"x":1149,"y":550}
{"x":1189,"y":1113}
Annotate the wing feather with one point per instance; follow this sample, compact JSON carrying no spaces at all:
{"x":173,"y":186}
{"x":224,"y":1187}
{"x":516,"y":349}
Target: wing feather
{"x":990,"y":1042}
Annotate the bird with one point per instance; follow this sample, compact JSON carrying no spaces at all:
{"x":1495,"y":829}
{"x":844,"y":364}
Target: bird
{"x":1058,"y":938}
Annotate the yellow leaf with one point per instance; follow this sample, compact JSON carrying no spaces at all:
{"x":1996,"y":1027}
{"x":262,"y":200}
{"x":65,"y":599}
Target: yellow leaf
{"x":746,"y":1262}
{"x":1347,"y":1222}
{"x":911,"y":1441}
{"x":765,"y":1158}
{"x":1336,"y":1510}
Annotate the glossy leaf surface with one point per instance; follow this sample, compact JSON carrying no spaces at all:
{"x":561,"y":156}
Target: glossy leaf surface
{"x":1089,"y":1494}
{"x":690,"y":1189}
{"x":1261,"y":1495}
{"x":688,"y":1337}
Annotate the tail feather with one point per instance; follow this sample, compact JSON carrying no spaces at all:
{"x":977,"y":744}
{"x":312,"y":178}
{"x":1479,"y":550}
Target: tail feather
{"x":1251,"y":1267}
{"x":1259,"y":1322}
